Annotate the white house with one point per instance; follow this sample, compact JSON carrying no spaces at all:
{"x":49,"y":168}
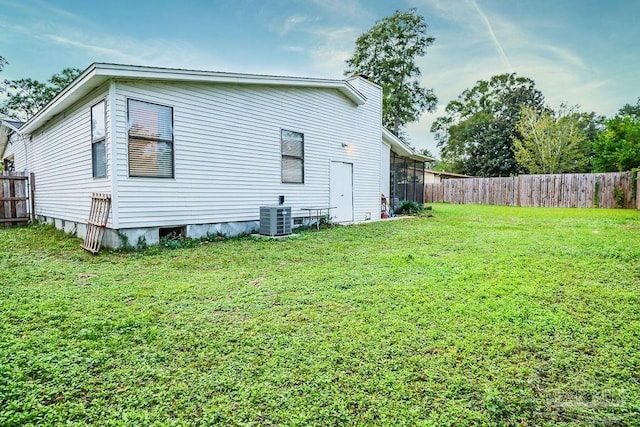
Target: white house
{"x":201,"y":151}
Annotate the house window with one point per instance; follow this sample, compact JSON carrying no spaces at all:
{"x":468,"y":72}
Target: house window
{"x":98,"y":138}
{"x":292,"y":156}
{"x":150,"y":130}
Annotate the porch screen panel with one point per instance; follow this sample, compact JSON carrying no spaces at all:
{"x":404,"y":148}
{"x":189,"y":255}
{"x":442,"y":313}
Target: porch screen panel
{"x":392,"y":178}
{"x":419,"y":180}
{"x":150,"y":129}
{"x":407,"y":180}
{"x":400,"y":176}
{"x":411,"y":180}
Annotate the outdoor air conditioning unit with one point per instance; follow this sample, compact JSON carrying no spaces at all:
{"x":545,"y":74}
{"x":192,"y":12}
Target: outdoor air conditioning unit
{"x":275,"y":220}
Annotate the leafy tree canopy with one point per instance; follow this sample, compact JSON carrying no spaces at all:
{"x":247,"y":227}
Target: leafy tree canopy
{"x":630,"y":110}
{"x":476,"y":134}
{"x":553,"y":141}
{"x":617,"y":147}
{"x":387,"y":54}
{"x":25,"y":97}
{"x":3,"y":62}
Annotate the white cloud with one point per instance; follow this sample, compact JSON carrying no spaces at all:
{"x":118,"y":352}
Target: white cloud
{"x":348,"y":8}
{"x":48,"y":9}
{"x":563,"y":55}
{"x":291,"y":48}
{"x":42,"y":9}
{"x":462,"y":13}
{"x":333,"y":46}
{"x":492,"y":34}
{"x":324,"y":34}
{"x":94,"y":50}
{"x":153,"y":52}
{"x":90,"y":46}
{"x":326,"y":48}
{"x":291,"y":23}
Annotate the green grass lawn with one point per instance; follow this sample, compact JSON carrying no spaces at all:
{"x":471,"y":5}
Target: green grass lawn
{"x":478,"y":316}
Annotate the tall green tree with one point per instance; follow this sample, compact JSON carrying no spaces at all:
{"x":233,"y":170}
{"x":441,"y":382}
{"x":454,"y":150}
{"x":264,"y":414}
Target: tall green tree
{"x":552,"y":141}
{"x":25,"y":97}
{"x":387,"y":54}
{"x":630,"y":110}
{"x":476,"y":134}
{"x":3,"y":62}
{"x":617,"y":147}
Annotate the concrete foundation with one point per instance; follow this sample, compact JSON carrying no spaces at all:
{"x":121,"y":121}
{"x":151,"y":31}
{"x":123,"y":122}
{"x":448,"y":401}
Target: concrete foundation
{"x":147,"y":236}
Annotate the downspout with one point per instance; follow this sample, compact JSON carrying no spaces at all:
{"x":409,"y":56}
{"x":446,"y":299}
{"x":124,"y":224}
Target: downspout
{"x":31,"y":189}
{"x":112,"y":170}
{"x":26,"y":152}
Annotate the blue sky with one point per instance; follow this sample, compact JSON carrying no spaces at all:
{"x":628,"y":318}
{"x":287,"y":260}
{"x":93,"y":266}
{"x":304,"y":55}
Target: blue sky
{"x":582,"y":52}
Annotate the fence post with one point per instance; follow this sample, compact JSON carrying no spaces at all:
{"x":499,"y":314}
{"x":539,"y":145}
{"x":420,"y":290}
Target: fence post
{"x":32,"y":195}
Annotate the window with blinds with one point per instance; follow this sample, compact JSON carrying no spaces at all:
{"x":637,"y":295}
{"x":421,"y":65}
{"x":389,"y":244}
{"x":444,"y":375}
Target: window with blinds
{"x":292,"y":156}
{"x":98,"y":138}
{"x":150,"y":130}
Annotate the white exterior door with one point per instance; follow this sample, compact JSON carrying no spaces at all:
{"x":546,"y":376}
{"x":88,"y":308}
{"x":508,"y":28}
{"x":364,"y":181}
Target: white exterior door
{"x":341,"y":191}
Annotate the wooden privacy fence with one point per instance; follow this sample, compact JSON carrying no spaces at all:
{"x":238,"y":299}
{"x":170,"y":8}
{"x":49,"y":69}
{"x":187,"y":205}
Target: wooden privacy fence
{"x":604,"y":190}
{"x":14,"y":198}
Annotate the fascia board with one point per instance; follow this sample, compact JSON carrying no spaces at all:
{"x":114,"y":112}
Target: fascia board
{"x":98,"y":73}
{"x":157,"y":73}
{"x":66,"y":97}
{"x":400,"y":147}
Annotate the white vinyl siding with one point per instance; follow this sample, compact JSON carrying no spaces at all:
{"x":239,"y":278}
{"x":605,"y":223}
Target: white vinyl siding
{"x":366,"y":170}
{"x":227,"y":151}
{"x":59,"y":156}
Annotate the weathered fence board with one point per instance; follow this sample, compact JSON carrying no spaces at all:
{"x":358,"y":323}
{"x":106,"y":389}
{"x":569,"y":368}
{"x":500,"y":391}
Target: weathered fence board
{"x":14,"y":207}
{"x":604,"y":190}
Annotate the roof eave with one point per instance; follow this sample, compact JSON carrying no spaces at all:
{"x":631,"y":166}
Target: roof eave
{"x":101,"y":72}
{"x":6,"y":128}
{"x":404,"y":149}
{"x":159,"y":73}
{"x":449,"y":174}
{"x":59,"y":102}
